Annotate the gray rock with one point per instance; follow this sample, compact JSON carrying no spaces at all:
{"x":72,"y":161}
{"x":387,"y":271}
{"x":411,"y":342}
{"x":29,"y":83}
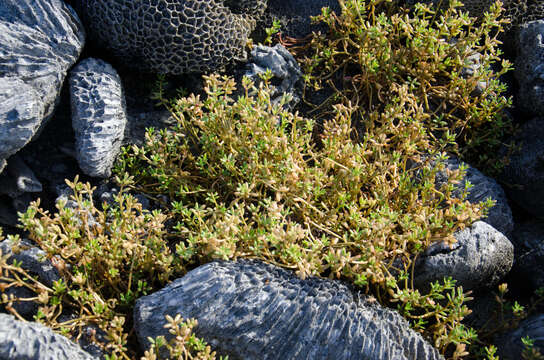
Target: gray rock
{"x":18,"y":179}
{"x":40,"y":40}
{"x":25,"y":340}
{"x":528,"y":240}
{"x":98,"y":115}
{"x":484,"y":187}
{"x":529,"y":67}
{"x":510,"y":346}
{"x":480,"y":258}
{"x":180,"y":36}
{"x":251,"y":310}
{"x":282,"y":65}
{"x":524,"y":175}
{"x":34,"y":261}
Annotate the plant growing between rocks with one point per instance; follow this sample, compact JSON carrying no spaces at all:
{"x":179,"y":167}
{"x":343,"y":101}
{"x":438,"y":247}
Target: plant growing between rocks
{"x":354,"y":198}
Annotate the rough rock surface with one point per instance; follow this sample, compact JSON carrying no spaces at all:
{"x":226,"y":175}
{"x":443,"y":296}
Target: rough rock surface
{"x":529,"y":67}
{"x":480,"y":258}
{"x":528,"y":240}
{"x":283,"y":67}
{"x":35,"y":262}
{"x":24,"y":340}
{"x":98,"y":115}
{"x":524,"y":175}
{"x":251,"y":310}
{"x":39,"y":41}
{"x":509,"y":345}
{"x":483,"y":187}
{"x":181,"y":36}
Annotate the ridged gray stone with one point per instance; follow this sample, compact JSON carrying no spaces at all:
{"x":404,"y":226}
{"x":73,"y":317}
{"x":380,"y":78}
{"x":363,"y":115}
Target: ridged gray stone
{"x":251,"y":310}
{"x":26,"y":340}
{"x":524,"y":175}
{"x":529,"y":67}
{"x":98,"y":115}
{"x":480,"y":258}
{"x":39,"y":41}
{"x":171,"y":36}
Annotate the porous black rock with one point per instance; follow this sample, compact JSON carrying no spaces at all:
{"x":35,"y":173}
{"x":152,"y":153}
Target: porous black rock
{"x":26,"y":340}
{"x":528,"y":240}
{"x":480,"y":258}
{"x":98,"y":115}
{"x":171,"y":36}
{"x":529,"y":67}
{"x":252,"y":310}
{"x":523,"y":177}
{"x":39,"y":41}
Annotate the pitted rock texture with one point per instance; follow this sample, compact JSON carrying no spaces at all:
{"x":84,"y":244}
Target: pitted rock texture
{"x":528,"y":240}
{"x":283,"y":66}
{"x":39,"y":41}
{"x":483,"y":187}
{"x":25,"y":340}
{"x":524,"y":175}
{"x":510,"y":346}
{"x":98,"y":115}
{"x":480,"y":258}
{"x":529,"y":67}
{"x":251,"y":310}
{"x":21,"y":114}
{"x":171,"y":36}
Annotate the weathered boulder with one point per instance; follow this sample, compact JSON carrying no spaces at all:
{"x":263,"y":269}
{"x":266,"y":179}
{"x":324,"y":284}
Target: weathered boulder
{"x":252,"y":310}
{"x":26,"y":340}
{"x":480,"y":258}
{"x":529,"y":67}
{"x":39,"y":41}
{"x":171,"y":36}
{"x":524,"y":175}
{"x":18,"y":179}
{"x":98,"y":115}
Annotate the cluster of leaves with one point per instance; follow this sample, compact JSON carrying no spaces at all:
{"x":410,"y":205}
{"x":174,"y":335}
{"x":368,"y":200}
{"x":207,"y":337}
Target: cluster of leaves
{"x":250,"y":179}
{"x":107,"y":256}
{"x":444,"y":60}
{"x":184,"y":345}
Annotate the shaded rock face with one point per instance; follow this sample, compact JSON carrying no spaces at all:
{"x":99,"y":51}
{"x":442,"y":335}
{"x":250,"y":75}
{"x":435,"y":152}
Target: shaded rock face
{"x":33,"y":260}
{"x":171,"y":36}
{"x":39,"y":41}
{"x":483,"y":187}
{"x":529,"y":69}
{"x":524,"y":175}
{"x":528,"y":239}
{"x":98,"y":115}
{"x":252,"y":310}
{"x":480,"y":258}
{"x":510,"y":346}
{"x":25,"y":340}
